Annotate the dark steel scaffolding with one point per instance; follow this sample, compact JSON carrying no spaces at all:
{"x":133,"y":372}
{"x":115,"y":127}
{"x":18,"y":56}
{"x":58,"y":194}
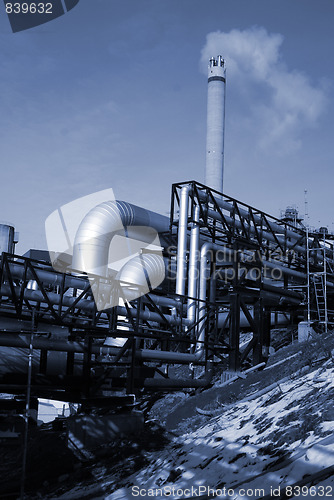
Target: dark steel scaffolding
{"x":257,"y":278}
{"x":277,"y":254}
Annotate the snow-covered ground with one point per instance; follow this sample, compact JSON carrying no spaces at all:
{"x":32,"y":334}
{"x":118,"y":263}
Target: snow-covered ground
{"x":236,"y":450}
{"x":274,"y":433}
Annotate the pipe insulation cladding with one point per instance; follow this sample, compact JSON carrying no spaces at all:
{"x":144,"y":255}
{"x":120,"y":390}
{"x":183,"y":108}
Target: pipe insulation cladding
{"x":215,"y":124}
{"x":102,"y":223}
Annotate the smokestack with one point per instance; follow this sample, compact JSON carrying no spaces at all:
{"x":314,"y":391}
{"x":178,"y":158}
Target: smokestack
{"x":215,"y":124}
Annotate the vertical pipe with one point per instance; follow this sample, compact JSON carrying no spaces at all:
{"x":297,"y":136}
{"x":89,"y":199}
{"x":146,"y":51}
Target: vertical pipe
{"x":182,"y":241}
{"x":204,"y":277}
{"x":193,"y":267}
{"x":215,"y":124}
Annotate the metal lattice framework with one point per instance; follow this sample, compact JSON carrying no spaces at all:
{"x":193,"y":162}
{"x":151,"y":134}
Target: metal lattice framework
{"x":257,"y":241}
{"x":36,"y":300}
{"x":256,"y":276}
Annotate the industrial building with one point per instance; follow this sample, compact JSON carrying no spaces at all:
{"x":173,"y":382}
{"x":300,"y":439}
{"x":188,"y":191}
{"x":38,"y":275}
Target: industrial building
{"x":78,"y":330}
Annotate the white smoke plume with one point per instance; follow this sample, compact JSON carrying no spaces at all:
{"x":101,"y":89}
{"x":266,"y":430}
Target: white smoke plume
{"x":269,"y":102}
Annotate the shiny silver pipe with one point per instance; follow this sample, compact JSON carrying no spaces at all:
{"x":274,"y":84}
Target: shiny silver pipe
{"x":193,"y":268}
{"x":54,"y":298}
{"x":203,"y":280}
{"x":94,"y":235}
{"x":182,"y":241}
{"x":153,"y":316}
{"x":49,"y":277}
{"x":141,"y":275}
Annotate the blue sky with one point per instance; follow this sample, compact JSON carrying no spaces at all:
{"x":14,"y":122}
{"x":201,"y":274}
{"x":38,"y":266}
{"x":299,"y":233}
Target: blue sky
{"x":113,"y":94}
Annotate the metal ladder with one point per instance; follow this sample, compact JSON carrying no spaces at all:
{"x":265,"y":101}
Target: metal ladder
{"x":320,"y":296}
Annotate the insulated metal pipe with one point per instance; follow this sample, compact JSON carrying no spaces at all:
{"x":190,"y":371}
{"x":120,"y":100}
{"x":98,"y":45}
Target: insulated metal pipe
{"x":228,"y":252}
{"x":98,"y":227}
{"x":269,"y":264}
{"x":54,"y":298}
{"x":49,"y":277}
{"x":89,"y":305}
{"x":140,"y":275}
{"x":203,"y":280}
{"x":153,"y":316}
{"x":193,"y":268}
{"x":182,"y":241}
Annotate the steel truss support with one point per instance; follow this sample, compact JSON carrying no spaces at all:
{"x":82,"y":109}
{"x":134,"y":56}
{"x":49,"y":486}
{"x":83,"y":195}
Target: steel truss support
{"x":251,"y":241}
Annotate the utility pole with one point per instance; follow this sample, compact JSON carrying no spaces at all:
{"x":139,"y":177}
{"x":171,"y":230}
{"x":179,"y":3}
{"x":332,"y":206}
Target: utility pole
{"x":27,"y":409}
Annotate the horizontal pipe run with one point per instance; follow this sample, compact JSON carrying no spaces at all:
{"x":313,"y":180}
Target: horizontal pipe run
{"x":288,"y":233}
{"x":265,"y":234}
{"x":153,"y":316}
{"x":55,"y":279}
{"x":154,"y":383}
{"x":230,"y":208}
{"x":163,"y":301}
{"x":244,"y":323}
{"x":47,"y":277}
{"x":22,"y":340}
{"x":270,"y":264}
{"x":54,"y":298}
{"x":89,"y":305}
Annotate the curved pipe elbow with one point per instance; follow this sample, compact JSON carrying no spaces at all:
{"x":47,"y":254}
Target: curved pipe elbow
{"x":141,"y":275}
{"x":102,"y":223}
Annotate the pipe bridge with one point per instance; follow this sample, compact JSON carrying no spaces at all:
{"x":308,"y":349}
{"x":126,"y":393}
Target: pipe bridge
{"x":227,"y":267}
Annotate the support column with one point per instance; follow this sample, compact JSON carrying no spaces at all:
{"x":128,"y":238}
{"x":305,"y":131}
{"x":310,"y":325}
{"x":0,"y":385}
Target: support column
{"x":258,"y":319}
{"x":262,"y":317}
{"x":234,"y":354}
